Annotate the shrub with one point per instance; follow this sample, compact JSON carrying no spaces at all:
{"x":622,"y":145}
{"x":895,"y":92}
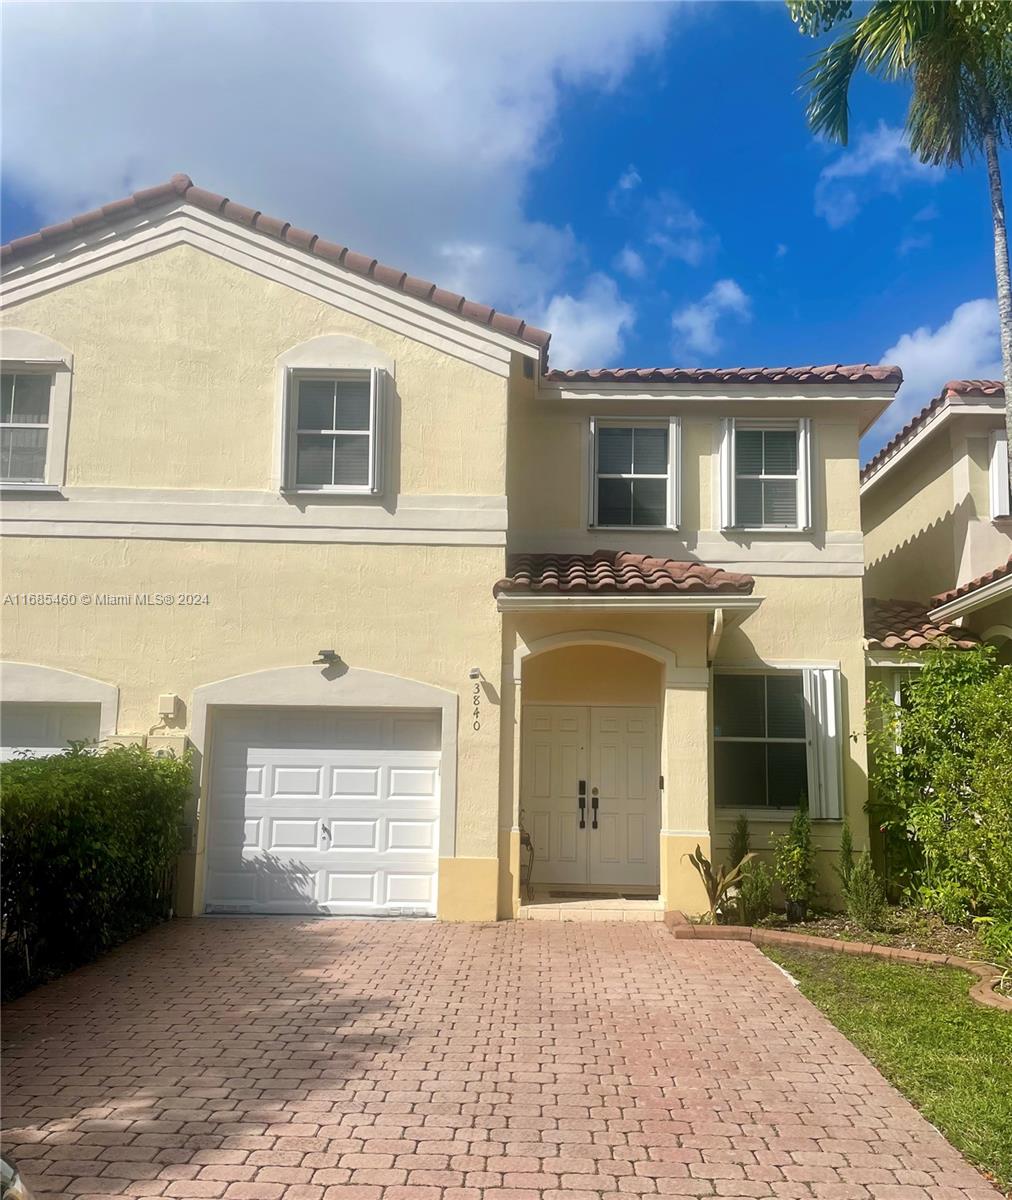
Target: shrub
{"x":89,"y":841}
{"x":864,"y":894}
{"x":755,"y":893}
{"x":794,"y":863}
{"x":845,"y":857}
{"x":740,"y":843}
{"x":944,"y":803}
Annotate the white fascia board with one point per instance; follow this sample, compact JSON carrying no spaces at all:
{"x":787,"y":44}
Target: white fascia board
{"x":934,"y":423}
{"x":179,"y":223}
{"x":978,"y":598}
{"x":890,"y":658}
{"x":636,"y":602}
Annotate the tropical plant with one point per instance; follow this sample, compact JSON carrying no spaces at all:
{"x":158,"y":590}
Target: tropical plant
{"x":741,"y":841}
{"x":794,"y":865}
{"x":718,"y":881}
{"x":944,"y":802}
{"x":755,"y":892}
{"x":864,"y":894}
{"x":957,"y":57}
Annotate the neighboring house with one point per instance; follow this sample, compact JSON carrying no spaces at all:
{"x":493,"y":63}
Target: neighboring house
{"x":935,"y":507}
{"x":402,"y":587}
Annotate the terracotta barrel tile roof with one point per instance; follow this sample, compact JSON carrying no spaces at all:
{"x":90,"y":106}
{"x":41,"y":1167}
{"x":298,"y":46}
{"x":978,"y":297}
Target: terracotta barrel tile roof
{"x":965,"y":589}
{"x":905,"y":625}
{"x":616,"y":571}
{"x":833,"y":373}
{"x":183,"y":188}
{"x":985,"y":388}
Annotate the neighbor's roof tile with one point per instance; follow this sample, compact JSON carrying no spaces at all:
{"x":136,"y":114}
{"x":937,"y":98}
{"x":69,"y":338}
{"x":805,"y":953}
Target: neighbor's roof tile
{"x":831,"y":373}
{"x":905,"y":625}
{"x":616,"y":571}
{"x":965,"y":589}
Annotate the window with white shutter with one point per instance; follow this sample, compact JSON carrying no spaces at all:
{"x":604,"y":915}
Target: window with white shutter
{"x":334,"y":431}
{"x":765,"y":472}
{"x":824,"y":716}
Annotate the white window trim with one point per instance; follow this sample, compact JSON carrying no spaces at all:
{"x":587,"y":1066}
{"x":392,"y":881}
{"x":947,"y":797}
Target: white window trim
{"x":728,"y":516}
{"x":374,"y":485}
{"x":998,"y":475}
{"x":674,"y":472}
{"x":26,"y":353}
{"x":822,"y":691}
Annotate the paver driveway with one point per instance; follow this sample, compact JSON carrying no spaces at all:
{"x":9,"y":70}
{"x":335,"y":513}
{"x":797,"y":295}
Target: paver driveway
{"x":262,"y":1059}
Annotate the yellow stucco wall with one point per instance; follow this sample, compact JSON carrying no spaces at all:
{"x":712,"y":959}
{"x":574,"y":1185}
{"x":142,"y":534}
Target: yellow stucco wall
{"x":175,"y":384}
{"x":592,"y":675}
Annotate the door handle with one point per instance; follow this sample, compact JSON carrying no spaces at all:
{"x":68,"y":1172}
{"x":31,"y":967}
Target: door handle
{"x":324,"y":830}
{"x":593,"y":808}
{"x":581,"y":789}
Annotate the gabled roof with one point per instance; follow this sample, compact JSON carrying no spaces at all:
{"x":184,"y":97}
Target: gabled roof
{"x":616,"y":571}
{"x":984,"y":389}
{"x":974,"y":585}
{"x":832,"y":373}
{"x":182,"y":187}
{"x":905,"y":625}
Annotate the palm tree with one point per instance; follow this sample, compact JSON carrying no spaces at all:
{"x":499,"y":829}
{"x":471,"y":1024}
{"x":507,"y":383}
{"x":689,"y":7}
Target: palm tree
{"x":957,"y":54}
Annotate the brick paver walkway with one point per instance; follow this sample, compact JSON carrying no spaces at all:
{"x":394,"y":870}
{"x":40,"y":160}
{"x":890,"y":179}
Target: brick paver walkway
{"x":263,"y":1059}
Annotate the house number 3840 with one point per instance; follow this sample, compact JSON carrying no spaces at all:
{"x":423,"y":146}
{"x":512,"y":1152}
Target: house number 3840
{"x":476,"y":711}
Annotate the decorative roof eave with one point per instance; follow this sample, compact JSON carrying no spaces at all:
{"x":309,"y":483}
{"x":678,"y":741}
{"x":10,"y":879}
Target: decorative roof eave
{"x":707,"y":602}
{"x":979,"y":593}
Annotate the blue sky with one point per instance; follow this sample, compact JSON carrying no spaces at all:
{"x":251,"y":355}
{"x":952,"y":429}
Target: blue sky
{"x":637,"y":177}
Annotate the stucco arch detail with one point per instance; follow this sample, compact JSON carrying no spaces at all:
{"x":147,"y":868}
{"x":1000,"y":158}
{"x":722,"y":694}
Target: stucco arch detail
{"x":597,"y":637}
{"x":30,"y":683}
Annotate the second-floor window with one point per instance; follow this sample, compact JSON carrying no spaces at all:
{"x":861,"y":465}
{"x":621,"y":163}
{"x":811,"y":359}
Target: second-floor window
{"x":765,"y":474}
{"x":24,"y":426}
{"x":334,"y":431}
{"x":634,"y":465}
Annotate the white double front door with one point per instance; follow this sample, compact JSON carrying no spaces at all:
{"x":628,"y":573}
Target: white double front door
{"x":590,"y":793}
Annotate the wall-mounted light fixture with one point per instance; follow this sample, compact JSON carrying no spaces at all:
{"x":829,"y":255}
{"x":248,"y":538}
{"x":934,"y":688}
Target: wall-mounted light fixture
{"x":474,"y":673}
{"x":326,"y":658}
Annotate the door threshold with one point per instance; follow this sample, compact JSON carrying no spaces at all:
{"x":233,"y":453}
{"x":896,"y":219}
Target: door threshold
{"x":549,"y":905}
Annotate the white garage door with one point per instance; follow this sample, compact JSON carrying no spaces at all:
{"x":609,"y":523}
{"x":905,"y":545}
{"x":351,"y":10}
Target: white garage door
{"x":40,"y":729}
{"x":324,"y":811}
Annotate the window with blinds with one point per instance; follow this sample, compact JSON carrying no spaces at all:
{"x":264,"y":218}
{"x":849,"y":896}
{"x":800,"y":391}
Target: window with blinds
{"x":334,"y":432}
{"x":633,"y":471}
{"x":760,"y":741}
{"x":765,"y":473}
{"x":24,"y":426}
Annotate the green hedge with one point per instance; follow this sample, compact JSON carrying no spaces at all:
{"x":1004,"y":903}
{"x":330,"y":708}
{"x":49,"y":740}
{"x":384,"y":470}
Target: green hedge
{"x":89,"y":842}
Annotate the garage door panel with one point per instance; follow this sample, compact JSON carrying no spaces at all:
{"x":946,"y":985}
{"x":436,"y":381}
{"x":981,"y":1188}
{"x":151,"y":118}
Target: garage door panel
{"x":281,"y":782}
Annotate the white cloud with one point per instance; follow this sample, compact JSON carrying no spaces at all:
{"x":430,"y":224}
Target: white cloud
{"x":406,"y":131}
{"x":879,"y":162}
{"x":781,"y":250}
{"x":913,"y":241}
{"x":677,"y":230}
{"x":696,"y":324}
{"x":964,"y":347}
{"x":630,"y":263}
{"x":625,"y":185}
{"x":589,"y":330}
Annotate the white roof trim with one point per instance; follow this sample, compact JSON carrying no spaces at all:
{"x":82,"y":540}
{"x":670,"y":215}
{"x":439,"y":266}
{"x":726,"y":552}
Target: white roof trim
{"x":632,"y":601}
{"x":978,"y":598}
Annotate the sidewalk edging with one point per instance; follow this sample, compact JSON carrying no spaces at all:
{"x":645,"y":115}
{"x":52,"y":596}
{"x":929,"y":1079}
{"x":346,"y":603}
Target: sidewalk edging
{"x":983,"y":990}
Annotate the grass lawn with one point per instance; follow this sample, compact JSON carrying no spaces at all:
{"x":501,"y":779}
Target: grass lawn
{"x":949,"y":1055}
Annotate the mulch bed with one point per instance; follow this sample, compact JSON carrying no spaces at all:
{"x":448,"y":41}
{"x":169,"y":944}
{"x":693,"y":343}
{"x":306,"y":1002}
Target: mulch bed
{"x":903,"y":928}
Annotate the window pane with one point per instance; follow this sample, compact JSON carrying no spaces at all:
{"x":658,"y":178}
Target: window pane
{"x":650,"y":502}
{"x":738,"y":706}
{"x":781,"y":452}
{"x":650,"y":451}
{"x":6,"y":392}
{"x":614,"y":451}
{"x":748,"y":452}
{"x":351,"y":459}
{"x":785,"y":706}
{"x":787,"y":767}
{"x":23,"y":455}
{"x":316,"y":404}
{"x":314,"y":459}
{"x":780,"y":502}
{"x":352,"y":404}
{"x":748,"y":502}
{"x":31,"y":399}
{"x":614,"y":502}
{"x":740,"y":774}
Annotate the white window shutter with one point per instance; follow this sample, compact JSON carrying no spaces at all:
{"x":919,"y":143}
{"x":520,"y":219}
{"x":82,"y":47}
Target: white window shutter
{"x":824,"y":719}
{"x":674,"y":472}
{"x":999,"y":479}
{"x":288,"y":431}
{"x":377,"y":418}
{"x":592,"y":473}
{"x":805,"y":473}
{"x":726,"y":456}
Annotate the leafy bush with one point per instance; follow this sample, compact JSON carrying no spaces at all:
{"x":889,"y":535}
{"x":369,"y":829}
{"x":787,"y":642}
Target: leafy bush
{"x":794,"y":861}
{"x":89,"y":841}
{"x":755,"y":892}
{"x":740,"y":842}
{"x":997,"y":938}
{"x":719,"y":883}
{"x":864,"y":894}
{"x":944,"y":802}
{"x":845,"y":857}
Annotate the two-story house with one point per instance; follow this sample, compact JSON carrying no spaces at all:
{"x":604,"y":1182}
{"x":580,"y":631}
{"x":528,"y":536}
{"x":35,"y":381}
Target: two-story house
{"x":406,"y":591}
{"x":935,"y":508}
